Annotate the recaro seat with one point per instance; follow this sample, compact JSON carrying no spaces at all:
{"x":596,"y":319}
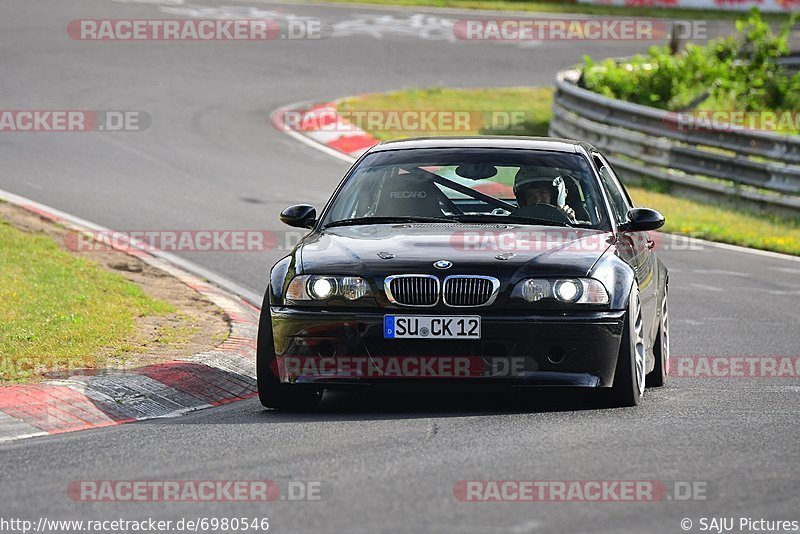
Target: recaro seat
{"x":409,"y":195}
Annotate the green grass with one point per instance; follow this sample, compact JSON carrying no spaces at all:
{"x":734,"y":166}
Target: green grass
{"x":59,"y":311}
{"x":697,"y":219}
{"x":176,"y":335}
{"x":684,"y":216}
{"x":502,"y":111}
{"x":567,"y":7}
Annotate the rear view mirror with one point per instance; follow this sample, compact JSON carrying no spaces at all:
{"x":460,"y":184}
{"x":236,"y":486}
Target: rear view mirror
{"x":299,"y":216}
{"x":642,"y":220}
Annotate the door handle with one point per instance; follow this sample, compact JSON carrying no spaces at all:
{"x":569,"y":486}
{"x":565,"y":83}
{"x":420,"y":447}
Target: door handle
{"x":651,"y":244}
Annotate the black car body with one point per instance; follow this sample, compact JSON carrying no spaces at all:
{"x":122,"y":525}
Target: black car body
{"x":475,"y":265}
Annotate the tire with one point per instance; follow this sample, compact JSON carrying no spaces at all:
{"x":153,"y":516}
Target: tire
{"x":271,"y":391}
{"x":658,"y":376}
{"x":629,"y":377}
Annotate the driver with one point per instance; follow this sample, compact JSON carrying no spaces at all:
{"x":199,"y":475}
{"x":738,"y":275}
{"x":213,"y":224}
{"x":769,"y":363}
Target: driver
{"x":534,"y":185}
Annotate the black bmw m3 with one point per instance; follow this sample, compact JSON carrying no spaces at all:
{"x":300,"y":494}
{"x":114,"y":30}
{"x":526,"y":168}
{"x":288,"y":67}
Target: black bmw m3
{"x":470,"y":262}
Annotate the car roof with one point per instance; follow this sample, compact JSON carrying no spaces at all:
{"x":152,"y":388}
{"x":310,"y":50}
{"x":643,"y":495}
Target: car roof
{"x":498,"y":141}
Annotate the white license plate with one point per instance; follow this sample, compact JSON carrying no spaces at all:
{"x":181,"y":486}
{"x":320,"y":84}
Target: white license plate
{"x":431,"y":327}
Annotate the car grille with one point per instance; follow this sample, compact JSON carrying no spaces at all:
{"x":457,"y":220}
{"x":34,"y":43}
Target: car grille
{"x":413,"y":289}
{"x":469,"y":291}
{"x":461,"y":291}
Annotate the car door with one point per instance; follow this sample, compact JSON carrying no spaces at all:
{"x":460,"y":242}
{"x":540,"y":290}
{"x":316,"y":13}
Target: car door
{"x":635,"y":248}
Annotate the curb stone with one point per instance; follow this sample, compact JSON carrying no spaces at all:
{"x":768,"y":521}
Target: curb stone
{"x":322,"y":124}
{"x":219,"y":376}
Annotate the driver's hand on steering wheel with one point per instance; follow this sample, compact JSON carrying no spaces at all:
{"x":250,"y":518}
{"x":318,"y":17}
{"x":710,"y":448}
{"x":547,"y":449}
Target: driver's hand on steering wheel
{"x":568,"y":211}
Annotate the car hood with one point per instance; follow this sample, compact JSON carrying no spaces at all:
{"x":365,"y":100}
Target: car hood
{"x":504,"y":251}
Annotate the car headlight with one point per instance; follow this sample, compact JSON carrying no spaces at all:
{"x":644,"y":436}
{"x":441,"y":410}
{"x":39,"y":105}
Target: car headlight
{"x":323,"y":287}
{"x":567,"y":290}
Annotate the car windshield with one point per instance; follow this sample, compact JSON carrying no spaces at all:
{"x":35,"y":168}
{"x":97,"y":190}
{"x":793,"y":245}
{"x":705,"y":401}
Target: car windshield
{"x":472,"y":185}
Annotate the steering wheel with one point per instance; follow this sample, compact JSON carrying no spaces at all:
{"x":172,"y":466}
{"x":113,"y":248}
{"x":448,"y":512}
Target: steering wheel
{"x":543,"y":211}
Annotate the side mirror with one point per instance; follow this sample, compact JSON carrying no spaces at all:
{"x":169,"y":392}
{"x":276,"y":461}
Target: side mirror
{"x":299,"y":216}
{"x":642,"y":219}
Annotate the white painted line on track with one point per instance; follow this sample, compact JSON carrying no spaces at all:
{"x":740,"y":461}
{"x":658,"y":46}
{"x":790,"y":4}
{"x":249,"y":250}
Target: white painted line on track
{"x":737,"y":248}
{"x":276,"y":118}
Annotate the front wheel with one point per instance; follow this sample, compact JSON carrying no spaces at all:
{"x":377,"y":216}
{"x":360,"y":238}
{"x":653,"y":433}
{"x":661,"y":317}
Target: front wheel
{"x":271,"y":391}
{"x":629,"y":377}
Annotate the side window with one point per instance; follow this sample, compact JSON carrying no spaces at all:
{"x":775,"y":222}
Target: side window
{"x":618,"y":183}
{"x":620,"y":203}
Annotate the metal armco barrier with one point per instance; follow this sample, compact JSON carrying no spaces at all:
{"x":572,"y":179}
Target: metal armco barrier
{"x":647,"y":143}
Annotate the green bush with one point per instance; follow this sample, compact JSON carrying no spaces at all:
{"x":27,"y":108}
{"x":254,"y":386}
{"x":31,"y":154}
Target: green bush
{"x":737,"y":72}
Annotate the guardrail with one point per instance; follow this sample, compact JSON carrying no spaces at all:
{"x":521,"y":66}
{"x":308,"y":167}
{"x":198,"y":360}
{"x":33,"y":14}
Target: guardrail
{"x":646,"y":143}
{"x":790,"y":62}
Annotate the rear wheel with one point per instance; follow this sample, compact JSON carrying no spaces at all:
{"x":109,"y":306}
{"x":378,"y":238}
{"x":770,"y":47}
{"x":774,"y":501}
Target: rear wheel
{"x":629,"y":376}
{"x":658,"y":376}
{"x":271,"y":391}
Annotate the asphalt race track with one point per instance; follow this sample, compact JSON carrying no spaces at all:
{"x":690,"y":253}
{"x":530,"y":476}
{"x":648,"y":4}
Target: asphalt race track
{"x":210,"y":159}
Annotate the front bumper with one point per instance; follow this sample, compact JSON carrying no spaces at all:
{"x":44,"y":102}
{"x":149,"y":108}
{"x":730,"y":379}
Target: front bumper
{"x":346,"y":348}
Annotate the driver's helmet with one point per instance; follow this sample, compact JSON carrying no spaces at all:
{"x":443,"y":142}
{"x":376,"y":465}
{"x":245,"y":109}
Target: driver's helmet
{"x":533,"y":176}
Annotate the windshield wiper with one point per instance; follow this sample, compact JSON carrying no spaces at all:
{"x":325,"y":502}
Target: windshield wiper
{"x":490,"y":218}
{"x":386,"y":220}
